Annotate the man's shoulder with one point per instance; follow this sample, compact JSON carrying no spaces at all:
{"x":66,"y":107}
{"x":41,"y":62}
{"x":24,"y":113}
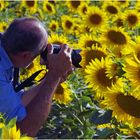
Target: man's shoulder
{"x":5,"y":77}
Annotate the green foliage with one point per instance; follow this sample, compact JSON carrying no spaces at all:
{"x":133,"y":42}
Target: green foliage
{"x":79,"y":118}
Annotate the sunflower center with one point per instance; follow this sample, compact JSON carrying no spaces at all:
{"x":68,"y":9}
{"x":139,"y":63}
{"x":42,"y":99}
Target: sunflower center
{"x":129,"y":104}
{"x":30,"y":3}
{"x":94,"y":54}
{"x":89,"y":43}
{"x":122,"y":1}
{"x":112,"y":10}
{"x":132,"y":19}
{"x":116,"y":37}
{"x":119,"y":22}
{"x":53,"y":27}
{"x":103,"y":79}
{"x":138,"y":55}
{"x":68,"y":24}
{"x":84,"y":10}
{"x":0,"y":5}
{"x":49,"y":8}
{"x":76,"y":27}
{"x":51,"y":1}
{"x":59,"y":90}
{"x":95,"y":19}
{"x":4,"y":27}
{"x":75,"y":4}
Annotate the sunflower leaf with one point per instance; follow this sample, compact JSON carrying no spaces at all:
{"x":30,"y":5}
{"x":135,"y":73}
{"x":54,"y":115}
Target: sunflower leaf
{"x":101,"y":117}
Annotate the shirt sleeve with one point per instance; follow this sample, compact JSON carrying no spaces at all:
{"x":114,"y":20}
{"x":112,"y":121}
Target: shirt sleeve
{"x":10,"y":102}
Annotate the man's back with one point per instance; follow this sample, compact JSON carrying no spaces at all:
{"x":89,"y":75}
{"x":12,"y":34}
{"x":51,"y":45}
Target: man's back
{"x":10,"y":101}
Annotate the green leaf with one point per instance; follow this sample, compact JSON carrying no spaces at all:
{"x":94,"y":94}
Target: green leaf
{"x":101,"y":116}
{"x":12,"y":122}
{"x":104,"y":133}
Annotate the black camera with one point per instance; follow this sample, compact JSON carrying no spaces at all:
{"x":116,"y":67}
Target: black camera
{"x":75,"y":56}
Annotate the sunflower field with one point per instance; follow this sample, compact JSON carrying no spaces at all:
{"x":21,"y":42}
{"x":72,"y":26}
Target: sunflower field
{"x":100,"y":100}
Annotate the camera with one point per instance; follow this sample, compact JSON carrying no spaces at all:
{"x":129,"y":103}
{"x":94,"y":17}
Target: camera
{"x":75,"y":55}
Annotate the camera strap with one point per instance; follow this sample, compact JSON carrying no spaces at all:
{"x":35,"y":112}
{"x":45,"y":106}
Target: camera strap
{"x":26,"y":83}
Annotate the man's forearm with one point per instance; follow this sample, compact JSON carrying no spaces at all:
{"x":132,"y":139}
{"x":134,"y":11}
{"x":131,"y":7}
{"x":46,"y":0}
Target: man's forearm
{"x":30,"y":94}
{"x":39,"y":108}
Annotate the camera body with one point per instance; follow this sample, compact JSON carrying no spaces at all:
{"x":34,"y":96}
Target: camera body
{"x":75,"y":55}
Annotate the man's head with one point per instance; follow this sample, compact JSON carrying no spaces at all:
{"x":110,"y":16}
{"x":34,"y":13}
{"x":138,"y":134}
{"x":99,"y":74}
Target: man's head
{"x":24,"y":39}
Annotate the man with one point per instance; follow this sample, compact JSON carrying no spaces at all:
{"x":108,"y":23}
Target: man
{"x":25,"y":39}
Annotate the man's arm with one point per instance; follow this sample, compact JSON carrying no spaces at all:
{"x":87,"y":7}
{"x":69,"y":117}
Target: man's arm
{"x":39,"y":108}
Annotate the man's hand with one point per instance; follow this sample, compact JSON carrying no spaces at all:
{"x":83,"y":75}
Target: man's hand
{"x":60,"y":64}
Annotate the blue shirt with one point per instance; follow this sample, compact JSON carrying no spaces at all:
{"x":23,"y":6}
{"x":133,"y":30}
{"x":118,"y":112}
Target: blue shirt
{"x":10,"y":101}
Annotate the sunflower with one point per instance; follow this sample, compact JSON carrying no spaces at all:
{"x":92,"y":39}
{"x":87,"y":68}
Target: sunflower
{"x":77,"y":28}
{"x":137,"y":6}
{"x":10,"y":133}
{"x":39,"y":14}
{"x":48,"y":7}
{"x":3,"y":26}
{"x":85,"y":29}
{"x":30,"y":6}
{"x":52,"y":1}
{"x":130,"y":131}
{"x":103,"y":126}
{"x":136,"y":50}
{"x":63,"y":94}
{"x":2,"y":125}
{"x":57,"y":39}
{"x":95,"y":18}
{"x":121,"y":52}
{"x":116,"y":37}
{"x":112,"y":69}
{"x":77,"y":31}
{"x":53,"y":26}
{"x":2,"y":5}
{"x":132,"y":18}
{"x":83,"y":8}
{"x":73,"y":5}
{"x":96,"y":77}
{"x":13,"y":133}
{"x":125,"y":106}
{"x":110,"y":8}
{"x":89,"y":54}
{"x":118,"y":21}
{"x":132,"y":69}
{"x":122,"y":3}
{"x":67,"y":23}
{"x":87,"y":40}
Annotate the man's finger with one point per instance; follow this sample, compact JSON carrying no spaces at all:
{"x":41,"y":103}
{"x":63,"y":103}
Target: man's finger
{"x":64,"y":48}
{"x":69,"y":50}
{"x":49,"y":49}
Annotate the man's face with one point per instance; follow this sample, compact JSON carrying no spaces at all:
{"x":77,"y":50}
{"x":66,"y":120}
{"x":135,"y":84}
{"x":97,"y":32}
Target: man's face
{"x":31,"y":56}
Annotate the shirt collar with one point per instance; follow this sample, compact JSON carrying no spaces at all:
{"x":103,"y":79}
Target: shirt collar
{"x":6,"y":62}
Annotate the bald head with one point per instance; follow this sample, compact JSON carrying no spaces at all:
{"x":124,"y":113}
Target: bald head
{"x":24,"y":34}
